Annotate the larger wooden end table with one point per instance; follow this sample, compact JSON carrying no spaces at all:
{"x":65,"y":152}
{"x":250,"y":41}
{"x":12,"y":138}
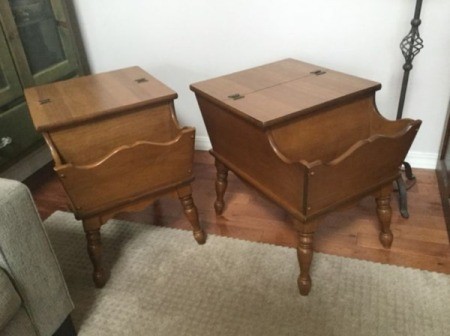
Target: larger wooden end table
{"x":117,"y":146}
{"x":308,"y":138}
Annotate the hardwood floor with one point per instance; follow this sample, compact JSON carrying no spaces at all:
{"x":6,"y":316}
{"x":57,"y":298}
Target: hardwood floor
{"x":420,"y":241}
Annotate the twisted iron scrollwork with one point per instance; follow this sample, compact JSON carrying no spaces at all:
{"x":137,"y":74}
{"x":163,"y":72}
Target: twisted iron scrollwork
{"x":410,"y":47}
{"x":411,"y":44}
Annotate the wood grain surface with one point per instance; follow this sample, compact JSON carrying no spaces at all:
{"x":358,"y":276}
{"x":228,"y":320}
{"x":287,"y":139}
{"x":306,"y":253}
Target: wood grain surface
{"x":85,"y":98}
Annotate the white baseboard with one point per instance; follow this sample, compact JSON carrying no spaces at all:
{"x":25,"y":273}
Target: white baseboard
{"x":202,"y":143}
{"x":415,"y":159}
{"x":422,"y":160}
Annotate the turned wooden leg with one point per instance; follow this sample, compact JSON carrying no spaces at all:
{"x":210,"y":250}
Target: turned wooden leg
{"x":94,"y":248}
{"x":190,"y":210}
{"x":304,"y":255}
{"x":384,"y":212}
{"x":221,"y":186}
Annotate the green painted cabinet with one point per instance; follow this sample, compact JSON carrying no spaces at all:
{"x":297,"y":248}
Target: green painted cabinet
{"x":39,"y":43}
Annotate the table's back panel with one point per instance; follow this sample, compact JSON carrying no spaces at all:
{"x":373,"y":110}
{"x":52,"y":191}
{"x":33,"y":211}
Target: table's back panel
{"x":91,"y":141}
{"x":325,"y":134}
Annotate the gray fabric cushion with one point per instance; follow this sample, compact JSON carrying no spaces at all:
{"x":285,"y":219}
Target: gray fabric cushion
{"x":9,"y":299}
{"x":20,"y":325}
{"x":27,"y":257}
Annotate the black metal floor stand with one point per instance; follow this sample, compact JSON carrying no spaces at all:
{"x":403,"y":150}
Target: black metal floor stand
{"x":410,"y":47}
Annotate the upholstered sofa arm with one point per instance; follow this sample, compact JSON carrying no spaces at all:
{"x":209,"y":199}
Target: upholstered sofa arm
{"x":10,"y":301}
{"x":26,"y":255}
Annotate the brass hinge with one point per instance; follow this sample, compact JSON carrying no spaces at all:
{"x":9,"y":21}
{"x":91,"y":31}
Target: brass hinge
{"x":318,"y":72}
{"x":45,"y":101}
{"x":236,"y":96}
{"x":141,"y":80}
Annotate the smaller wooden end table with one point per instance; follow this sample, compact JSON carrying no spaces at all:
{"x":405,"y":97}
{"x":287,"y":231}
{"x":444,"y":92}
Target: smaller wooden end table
{"x":308,"y":138}
{"x":117,"y":146}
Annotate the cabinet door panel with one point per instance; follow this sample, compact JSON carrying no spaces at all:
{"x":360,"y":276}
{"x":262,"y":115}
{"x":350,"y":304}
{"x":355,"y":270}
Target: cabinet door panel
{"x":17,"y":127}
{"x":10,"y":88}
{"x":41,"y":40}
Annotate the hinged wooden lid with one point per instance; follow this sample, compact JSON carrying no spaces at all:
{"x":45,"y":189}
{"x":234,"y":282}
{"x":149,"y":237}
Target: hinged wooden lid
{"x":275,"y":92}
{"x":84,"y":98}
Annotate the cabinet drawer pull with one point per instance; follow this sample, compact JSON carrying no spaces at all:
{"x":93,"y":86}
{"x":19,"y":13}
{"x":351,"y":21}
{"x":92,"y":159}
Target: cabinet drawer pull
{"x":5,"y":141}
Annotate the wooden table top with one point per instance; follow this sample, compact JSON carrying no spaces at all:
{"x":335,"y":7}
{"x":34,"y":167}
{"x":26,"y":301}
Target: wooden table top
{"x":84,"y":98}
{"x":275,"y":92}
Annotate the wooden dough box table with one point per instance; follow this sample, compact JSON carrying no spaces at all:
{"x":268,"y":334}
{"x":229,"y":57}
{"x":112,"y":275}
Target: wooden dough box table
{"x":308,"y":138}
{"x":117,"y":146}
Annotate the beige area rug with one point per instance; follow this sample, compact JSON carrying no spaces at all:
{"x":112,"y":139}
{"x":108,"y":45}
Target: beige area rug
{"x":163,"y":283}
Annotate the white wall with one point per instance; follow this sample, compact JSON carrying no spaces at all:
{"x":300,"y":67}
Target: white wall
{"x":181,"y":42}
